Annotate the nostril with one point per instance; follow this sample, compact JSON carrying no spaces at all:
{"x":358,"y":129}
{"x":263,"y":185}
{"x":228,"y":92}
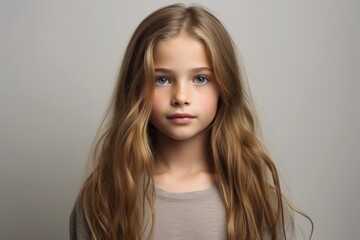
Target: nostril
{"x":180,"y":100}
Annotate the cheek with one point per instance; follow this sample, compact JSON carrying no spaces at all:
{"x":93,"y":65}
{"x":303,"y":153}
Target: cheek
{"x":213,"y":107}
{"x":157,"y":104}
{"x":212,"y":100}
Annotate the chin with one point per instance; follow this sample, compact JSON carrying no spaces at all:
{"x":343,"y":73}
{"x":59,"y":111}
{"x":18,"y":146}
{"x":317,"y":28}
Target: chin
{"x":183,"y":136}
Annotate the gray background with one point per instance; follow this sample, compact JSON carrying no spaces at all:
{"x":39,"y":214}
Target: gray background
{"x":58,"y":64}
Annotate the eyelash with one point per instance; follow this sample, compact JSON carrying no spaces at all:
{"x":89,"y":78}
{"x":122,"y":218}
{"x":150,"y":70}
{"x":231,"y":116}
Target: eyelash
{"x":168,"y":81}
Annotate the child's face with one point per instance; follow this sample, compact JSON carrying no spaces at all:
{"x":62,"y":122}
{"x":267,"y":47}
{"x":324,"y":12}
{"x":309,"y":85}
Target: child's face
{"x":185,"y":96}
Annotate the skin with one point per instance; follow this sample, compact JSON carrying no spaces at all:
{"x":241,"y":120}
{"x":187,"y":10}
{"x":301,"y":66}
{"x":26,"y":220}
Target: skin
{"x":184,"y":84}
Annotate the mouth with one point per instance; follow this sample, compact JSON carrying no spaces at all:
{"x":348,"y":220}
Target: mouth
{"x":180,"y":115}
{"x":181,"y":118}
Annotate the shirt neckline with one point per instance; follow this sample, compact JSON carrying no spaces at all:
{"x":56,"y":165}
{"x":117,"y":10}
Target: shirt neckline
{"x":193,"y":195}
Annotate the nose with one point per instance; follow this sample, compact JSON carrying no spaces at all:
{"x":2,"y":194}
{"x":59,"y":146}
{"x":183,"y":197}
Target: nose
{"x":181,"y":95}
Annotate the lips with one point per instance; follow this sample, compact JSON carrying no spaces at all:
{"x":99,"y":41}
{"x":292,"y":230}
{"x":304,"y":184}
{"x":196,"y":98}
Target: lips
{"x":180,"y":115}
{"x":181,"y":118}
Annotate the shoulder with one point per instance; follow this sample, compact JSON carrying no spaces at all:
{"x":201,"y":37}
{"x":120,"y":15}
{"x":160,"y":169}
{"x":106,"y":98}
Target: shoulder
{"x":78,"y":227}
{"x":285,"y":223}
{"x":285,"y":227}
{"x":288,"y":224}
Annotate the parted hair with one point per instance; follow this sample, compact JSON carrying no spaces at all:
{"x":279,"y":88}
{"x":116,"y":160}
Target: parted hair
{"x":119,"y":187}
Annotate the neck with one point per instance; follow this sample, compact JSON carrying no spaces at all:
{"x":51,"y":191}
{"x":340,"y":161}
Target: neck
{"x":181,"y":157}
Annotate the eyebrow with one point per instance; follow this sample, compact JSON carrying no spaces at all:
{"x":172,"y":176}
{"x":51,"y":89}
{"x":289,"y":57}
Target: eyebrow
{"x":199,"y":69}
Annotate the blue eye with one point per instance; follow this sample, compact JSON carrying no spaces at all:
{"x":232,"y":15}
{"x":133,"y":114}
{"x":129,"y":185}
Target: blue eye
{"x":201,"y":80}
{"x":162,"y":81}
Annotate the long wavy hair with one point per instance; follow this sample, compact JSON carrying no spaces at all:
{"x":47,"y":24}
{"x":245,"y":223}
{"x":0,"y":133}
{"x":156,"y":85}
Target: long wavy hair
{"x":115,"y":195}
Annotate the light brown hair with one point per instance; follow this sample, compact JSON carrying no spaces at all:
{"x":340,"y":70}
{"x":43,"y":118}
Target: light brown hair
{"x":116,"y":192}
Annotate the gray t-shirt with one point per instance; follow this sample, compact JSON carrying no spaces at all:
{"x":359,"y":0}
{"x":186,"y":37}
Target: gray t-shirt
{"x":190,"y":215}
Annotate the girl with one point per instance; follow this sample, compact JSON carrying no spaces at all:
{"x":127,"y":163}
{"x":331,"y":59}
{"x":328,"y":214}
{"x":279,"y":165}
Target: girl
{"x":179,"y":157}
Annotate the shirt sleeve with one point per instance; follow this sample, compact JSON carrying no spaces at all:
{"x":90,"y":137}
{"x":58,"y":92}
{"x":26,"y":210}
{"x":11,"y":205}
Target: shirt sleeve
{"x":78,"y":228}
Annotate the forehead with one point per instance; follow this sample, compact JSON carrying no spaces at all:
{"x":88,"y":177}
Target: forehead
{"x":182,"y":51}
